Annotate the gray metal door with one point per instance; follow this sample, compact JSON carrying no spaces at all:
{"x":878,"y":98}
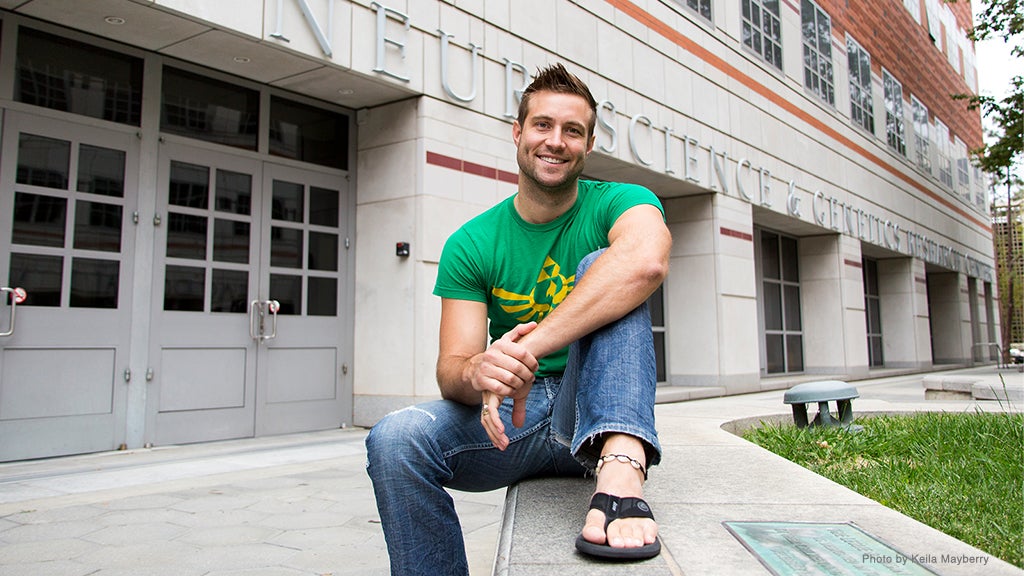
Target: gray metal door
{"x":67,"y":193}
{"x":249,"y":284}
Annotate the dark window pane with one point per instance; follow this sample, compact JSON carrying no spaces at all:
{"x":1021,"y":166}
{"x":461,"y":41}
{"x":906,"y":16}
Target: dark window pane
{"x":287,"y":201}
{"x":792,"y":308}
{"x":234,"y":192}
{"x":659,"y":356}
{"x":309,"y":134}
{"x":189,"y":185}
{"x":790,"y":259}
{"x":230,"y":291}
{"x":323,"y":251}
{"x":97,"y":226}
{"x":186,"y":236}
{"x":772,"y":306}
{"x":323,"y":297}
{"x":231,"y":241}
{"x":39,"y":220}
{"x":286,"y":247}
{"x":656,"y":304}
{"x":287,"y":290}
{"x":100,"y":171}
{"x":184,"y":288}
{"x":875,"y":351}
{"x":94,"y":283}
{"x":770,"y":255}
{"x":43,"y":161}
{"x":40,"y":276}
{"x":775,"y":361}
{"x":323,"y":207}
{"x":71,"y":76}
{"x":874,"y":317}
{"x":210,"y":110}
{"x":794,"y":353}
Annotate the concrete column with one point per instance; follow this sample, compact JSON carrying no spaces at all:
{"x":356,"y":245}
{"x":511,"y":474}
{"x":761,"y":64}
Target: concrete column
{"x":710,"y":294}
{"x":904,"y":308}
{"x":949,"y":317}
{"x":832,"y":303}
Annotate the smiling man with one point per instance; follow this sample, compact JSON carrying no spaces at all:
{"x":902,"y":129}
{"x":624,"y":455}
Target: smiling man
{"x":546,"y":363}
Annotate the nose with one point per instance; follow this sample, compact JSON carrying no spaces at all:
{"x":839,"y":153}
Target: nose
{"x":554,"y":139}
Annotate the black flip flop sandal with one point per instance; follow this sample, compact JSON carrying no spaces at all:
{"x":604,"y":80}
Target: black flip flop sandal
{"x":615,"y":508}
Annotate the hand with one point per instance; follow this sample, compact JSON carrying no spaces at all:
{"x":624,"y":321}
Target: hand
{"x":505,"y":369}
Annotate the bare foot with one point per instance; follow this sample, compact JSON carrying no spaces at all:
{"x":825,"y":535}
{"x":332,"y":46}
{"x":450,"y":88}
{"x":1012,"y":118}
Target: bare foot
{"x":623,"y":480}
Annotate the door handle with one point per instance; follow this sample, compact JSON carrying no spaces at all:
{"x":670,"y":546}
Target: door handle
{"x":18,"y":295}
{"x":258,"y":312}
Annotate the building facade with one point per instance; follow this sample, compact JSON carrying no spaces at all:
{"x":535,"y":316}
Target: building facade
{"x":223,"y":219}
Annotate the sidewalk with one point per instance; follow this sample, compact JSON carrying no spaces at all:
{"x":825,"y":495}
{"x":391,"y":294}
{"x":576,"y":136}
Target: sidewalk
{"x":302,"y":504}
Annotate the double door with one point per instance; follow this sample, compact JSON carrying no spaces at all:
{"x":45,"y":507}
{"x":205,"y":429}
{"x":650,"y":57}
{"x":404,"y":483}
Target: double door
{"x":249,"y":315}
{"x":220,"y":309}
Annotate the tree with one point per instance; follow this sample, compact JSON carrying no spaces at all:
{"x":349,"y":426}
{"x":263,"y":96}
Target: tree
{"x":1001,"y":19}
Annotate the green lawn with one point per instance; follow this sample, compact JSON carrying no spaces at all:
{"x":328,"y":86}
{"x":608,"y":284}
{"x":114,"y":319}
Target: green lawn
{"x":961,"y":473}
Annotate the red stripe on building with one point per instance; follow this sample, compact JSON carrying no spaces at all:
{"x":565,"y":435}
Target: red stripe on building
{"x":853,"y":263}
{"x":471,"y":168}
{"x":736,"y":234}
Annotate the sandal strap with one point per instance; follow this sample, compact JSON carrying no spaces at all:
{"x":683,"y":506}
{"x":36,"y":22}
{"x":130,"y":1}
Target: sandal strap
{"x":615,"y":507}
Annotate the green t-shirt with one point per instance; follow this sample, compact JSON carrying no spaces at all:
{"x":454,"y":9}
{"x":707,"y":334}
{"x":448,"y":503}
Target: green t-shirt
{"x":522,"y":271}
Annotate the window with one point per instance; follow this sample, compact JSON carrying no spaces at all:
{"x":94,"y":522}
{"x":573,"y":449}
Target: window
{"x":942,"y":154}
{"x":922,"y":154}
{"x":207,"y":109}
{"x":817,"y":32}
{"x":894,"y":131}
{"x":701,"y":7}
{"x":70,"y":76}
{"x":309,"y":134}
{"x":962,"y":170}
{"x":914,"y":7}
{"x":656,"y":305}
{"x":873,"y":311}
{"x":783,"y":350}
{"x":762,"y":30}
{"x":862,"y":110}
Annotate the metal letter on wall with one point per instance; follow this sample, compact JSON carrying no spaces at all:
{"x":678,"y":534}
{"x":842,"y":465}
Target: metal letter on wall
{"x":474,"y":50}
{"x":513,"y":96}
{"x":325,"y":44}
{"x":382,"y":39}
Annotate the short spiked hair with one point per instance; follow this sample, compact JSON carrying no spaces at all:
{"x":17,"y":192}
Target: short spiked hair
{"x":556,"y":78}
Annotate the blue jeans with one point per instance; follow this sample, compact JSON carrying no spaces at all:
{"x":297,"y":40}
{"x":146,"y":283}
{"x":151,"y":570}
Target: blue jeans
{"x":415,"y":453}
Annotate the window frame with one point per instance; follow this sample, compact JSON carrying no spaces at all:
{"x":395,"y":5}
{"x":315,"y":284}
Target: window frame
{"x":862,"y":113}
{"x":895,"y":123}
{"x":922,"y":135}
{"x":814,"y":77}
{"x":756,"y":31}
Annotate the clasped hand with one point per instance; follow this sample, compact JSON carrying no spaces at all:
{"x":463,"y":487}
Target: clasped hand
{"x":506,"y":370}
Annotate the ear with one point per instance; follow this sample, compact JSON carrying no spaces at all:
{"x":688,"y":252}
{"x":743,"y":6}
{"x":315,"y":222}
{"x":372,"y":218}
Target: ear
{"x":590,"y":145}
{"x":517,"y":131}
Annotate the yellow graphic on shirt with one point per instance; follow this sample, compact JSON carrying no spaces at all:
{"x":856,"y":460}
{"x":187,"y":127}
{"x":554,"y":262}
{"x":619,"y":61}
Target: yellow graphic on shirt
{"x":552,"y":287}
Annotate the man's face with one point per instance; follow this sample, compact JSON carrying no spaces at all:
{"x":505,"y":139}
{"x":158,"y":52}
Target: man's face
{"x":552,"y":142}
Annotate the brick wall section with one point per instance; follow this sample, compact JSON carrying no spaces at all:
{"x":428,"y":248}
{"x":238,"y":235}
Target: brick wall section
{"x":887,"y":31}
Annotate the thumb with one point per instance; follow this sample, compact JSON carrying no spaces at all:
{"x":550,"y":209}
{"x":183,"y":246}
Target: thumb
{"x":519,"y":412}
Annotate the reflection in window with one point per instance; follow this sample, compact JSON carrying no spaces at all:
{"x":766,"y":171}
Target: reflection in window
{"x":206,"y":109}
{"x":43,"y":161}
{"x":40,"y":276}
{"x":189,"y":185}
{"x":817,"y":33}
{"x":873,"y":312}
{"x":234,"y":192}
{"x":70,"y":76}
{"x":94,"y":283}
{"x":231,"y":241}
{"x":308,"y":134}
{"x":101,"y":171}
{"x":186,"y":236}
{"x":894,"y":131}
{"x":762,"y":29}
{"x":184,"y":288}
{"x":230,"y":291}
{"x":97,"y":226}
{"x":39,"y":220}
{"x":862,"y":109}
{"x":286,"y":247}
{"x":287,"y":290}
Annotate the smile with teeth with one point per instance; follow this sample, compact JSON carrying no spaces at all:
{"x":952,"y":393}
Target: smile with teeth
{"x":550,"y":160}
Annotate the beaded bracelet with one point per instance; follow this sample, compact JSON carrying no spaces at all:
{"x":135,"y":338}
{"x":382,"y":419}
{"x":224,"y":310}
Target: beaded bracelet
{"x":621,"y":458}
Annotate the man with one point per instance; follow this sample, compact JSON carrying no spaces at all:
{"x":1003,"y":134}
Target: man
{"x":566,"y":386}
